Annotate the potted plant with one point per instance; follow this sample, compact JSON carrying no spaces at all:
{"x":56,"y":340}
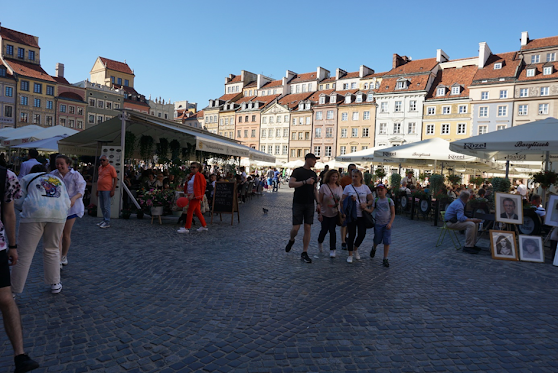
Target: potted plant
{"x":477,"y":181}
{"x":545,"y":178}
{"x":395,"y":181}
{"x":146,"y":147}
{"x":125,"y":213}
{"x":130,"y":144}
{"x":92,"y":210}
{"x":155,"y":200}
{"x":453,"y":179}
{"x":380,"y":173}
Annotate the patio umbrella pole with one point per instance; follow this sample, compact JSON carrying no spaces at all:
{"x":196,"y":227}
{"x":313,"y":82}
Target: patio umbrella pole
{"x":507,"y":168}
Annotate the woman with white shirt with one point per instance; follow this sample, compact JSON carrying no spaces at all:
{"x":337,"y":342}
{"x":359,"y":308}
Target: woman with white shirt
{"x":75,"y":185}
{"x":362,"y":195}
{"x":329,"y":198}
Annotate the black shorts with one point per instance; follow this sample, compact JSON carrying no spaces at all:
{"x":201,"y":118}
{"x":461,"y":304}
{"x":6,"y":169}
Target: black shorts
{"x":4,"y":269}
{"x":303,"y":212}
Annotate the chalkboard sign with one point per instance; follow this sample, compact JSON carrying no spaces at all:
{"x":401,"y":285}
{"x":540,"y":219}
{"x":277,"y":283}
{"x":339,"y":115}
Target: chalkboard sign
{"x":225,"y":200}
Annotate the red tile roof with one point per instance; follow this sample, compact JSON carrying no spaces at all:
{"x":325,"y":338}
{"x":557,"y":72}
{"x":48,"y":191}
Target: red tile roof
{"x":304,"y":77}
{"x":539,"y":72}
{"x":354,"y":74}
{"x":375,"y":75}
{"x":292,"y":100}
{"x":30,"y":70}
{"x":19,"y":37}
{"x":414,"y":67}
{"x":8,"y":73}
{"x":236,"y":79}
{"x":229,"y":96}
{"x":316,"y":95}
{"x":274,"y":83}
{"x":416,"y":83}
{"x":129,"y":90}
{"x":244,"y":99}
{"x":266,"y":100}
{"x":508,"y":70}
{"x":541,"y":43}
{"x":328,"y":80}
{"x":116,"y":66}
{"x":60,"y":80}
{"x":250,"y":85}
{"x":448,"y":77}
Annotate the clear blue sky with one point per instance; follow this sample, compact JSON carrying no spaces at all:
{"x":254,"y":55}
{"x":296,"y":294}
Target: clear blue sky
{"x":183,"y":50}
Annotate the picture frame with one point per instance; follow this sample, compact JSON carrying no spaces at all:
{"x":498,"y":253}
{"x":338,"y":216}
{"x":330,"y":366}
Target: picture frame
{"x":502,"y":245}
{"x":551,"y":217}
{"x":531,"y":249}
{"x":509,"y":208}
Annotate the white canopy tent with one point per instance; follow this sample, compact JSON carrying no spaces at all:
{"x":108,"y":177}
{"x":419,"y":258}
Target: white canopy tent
{"x":362,"y":156}
{"x":41,"y":133}
{"x":45,"y":145}
{"x":13,"y":132}
{"x":294,"y":164}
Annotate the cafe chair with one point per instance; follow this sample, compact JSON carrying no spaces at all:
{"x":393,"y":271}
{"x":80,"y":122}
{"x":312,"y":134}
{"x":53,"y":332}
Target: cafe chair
{"x":450,"y":232}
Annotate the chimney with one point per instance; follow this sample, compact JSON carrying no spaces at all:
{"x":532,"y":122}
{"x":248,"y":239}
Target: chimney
{"x":59,"y":70}
{"x":364,"y":70}
{"x":339,"y":73}
{"x":398,"y":60}
{"x":322,"y":73}
{"x":441,"y":56}
{"x":524,"y":38}
{"x":484,"y":53}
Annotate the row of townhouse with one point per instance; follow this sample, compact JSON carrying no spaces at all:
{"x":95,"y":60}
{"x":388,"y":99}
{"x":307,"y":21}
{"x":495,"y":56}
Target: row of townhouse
{"x":332,"y":115}
{"x":29,"y":95}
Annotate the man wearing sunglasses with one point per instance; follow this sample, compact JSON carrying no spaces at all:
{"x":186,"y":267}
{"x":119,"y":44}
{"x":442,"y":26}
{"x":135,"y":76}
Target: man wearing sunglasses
{"x":106,"y":184}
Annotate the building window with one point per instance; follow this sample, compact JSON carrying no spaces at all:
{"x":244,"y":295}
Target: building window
{"x":429,"y":129}
{"x":366,"y":115}
{"x":504,"y":93}
{"x":544,"y":91}
{"x":317,"y":150}
{"x":239,"y":133}
{"x":24,"y":85}
{"x":365,"y":132}
{"x":343,"y":150}
{"x":117,"y":106}
{"x":412,"y":128}
{"x":550,"y":57}
{"x":461,"y":128}
{"x":462,"y":109}
{"x":343,"y":132}
{"x":278,"y":132}
{"x":20,"y":53}
{"x":329,"y":133}
{"x":126,"y":82}
{"x":37,"y":102}
{"x":91,"y":118}
{"x":36,"y":119}
{"x":359,"y":98}
{"x":369,"y":97}
{"x":293,"y":153}
{"x":344,"y":116}
{"x":71,"y":109}
{"x":530,"y":72}
{"x":62,"y":108}
{"x":500,"y":127}
{"x":262,"y":148}
{"x":119,"y":81}
{"x":319,"y":115}
{"x":383,"y":129}
{"x":397,"y":106}
{"x":245,"y":133}
{"x":354,"y":132}
{"x":445,"y":129}
{"x":502,"y":111}
{"x":293,"y":135}
{"x":23,"y":117}
{"x":108,"y":105}
{"x":483,"y":130}
{"x":301,"y":135}
{"x":440,"y":91}
{"x":396,"y":127}
{"x":523,"y":92}
{"x":285,"y":150}
{"x":412,"y":105}
{"x":483,"y":111}
{"x":355,"y":115}
{"x":383,"y":107}
{"x":484,"y":95}
{"x":497,"y":66}
{"x":446,"y":110}
{"x":270,"y":149}
{"x":100,"y":104}
{"x":286,"y":133}
{"x":10,"y":50}
{"x":50,"y":90}
{"x":322,"y":100}
{"x":353,"y":149}
{"x":99,"y":119}
{"x":318,"y":133}
{"x":536,"y":58}
{"x":547,"y":70}
{"x":328,"y":151}
{"x":264,"y":133}
{"x":329,"y":114}
{"x":239,"y":119}
{"x":8,"y":111}
{"x":9,"y":92}
{"x":253,"y":118}
{"x":543,"y":109}
{"x":455,"y":90}
{"x":522,"y":110}
{"x":37,"y":88}
{"x":92,"y":102}
{"x":401,"y":85}
{"x":50,"y":104}
{"x":431,"y":110}
{"x":24,"y":100}
{"x":79,"y":124}
{"x":277,"y":149}
{"x":71,"y":123}
{"x":49,"y":120}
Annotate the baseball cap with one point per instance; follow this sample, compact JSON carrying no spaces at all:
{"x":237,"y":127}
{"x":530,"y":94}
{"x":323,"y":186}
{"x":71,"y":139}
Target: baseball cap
{"x":311,"y":155}
{"x":380,"y":186}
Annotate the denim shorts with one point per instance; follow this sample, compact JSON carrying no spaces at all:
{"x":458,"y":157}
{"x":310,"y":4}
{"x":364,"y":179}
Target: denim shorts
{"x":303,"y":212}
{"x":73,"y":216}
{"x":382,"y":234}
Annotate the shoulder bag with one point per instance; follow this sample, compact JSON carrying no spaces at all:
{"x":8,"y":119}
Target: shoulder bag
{"x":370,"y":221}
{"x":339,"y":220}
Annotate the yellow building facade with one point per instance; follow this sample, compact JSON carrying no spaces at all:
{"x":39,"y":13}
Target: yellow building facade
{"x":355,"y":122}
{"x":109,"y":72}
{"x":447,"y":120}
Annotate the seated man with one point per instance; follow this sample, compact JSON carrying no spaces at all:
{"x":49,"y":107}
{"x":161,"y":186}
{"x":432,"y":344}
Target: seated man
{"x":455,"y":219}
{"x":481,"y":193}
{"x":404,"y":188}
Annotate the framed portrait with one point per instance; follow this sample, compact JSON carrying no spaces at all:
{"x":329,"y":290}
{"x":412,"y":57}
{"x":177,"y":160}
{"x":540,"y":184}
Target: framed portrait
{"x":531,"y":249}
{"x":502,"y":245}
{"x":509,"y":208}
{"x":551,"y":217}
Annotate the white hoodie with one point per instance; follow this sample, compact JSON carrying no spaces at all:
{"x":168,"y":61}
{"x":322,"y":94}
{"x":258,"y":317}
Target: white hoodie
{"x":43,"y":199}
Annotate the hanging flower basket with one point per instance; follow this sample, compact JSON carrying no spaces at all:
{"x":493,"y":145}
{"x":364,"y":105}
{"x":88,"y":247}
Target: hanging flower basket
{"x":545,"y":178}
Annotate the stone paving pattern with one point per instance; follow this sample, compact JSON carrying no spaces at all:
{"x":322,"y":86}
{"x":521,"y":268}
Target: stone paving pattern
{"x":141,"y":298}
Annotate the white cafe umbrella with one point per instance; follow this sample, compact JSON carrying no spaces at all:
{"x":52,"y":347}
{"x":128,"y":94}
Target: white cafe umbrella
{"x":434,"y":149}
{"x":294,"y":164}
{"x":364,"y":156}
{"x":45,"y":145}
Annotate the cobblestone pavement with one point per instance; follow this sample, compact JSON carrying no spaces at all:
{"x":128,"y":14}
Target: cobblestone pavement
{"x":141,"y":298}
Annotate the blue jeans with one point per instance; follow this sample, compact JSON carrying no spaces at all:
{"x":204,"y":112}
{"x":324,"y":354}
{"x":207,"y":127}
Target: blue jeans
{"x":104,"y":203}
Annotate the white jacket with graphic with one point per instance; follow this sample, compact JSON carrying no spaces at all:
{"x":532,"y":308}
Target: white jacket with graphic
{"x":43,"y":199}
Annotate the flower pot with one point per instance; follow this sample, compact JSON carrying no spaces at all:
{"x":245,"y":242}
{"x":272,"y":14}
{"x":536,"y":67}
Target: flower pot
{"x":140,"y":215}
{"x":177,"y":213}
{"x":156,"y":210}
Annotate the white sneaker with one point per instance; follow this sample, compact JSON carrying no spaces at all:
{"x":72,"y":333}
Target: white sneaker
{"x":61,"y":266}
{"x":183,"y":230}
{"x":99,"y":223}
{"x":202,"y":229}
{"x":356,"y":255}
{"x":64,"y":261}
{"x":332,"y":253}
{"x":104,"y":225}
{"x":321,"y":246}
{"x":56,"y":288}
{"x":349,"y":259}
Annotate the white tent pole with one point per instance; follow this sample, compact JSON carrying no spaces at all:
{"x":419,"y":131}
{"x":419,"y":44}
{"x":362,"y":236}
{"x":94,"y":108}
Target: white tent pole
{"x":123,"y":117}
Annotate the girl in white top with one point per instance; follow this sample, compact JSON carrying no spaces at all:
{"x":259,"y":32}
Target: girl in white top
{"x":363,"y":197}
{"x":329,"y":199}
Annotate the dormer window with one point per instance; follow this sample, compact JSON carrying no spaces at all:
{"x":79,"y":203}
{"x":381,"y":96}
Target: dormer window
{"x":333,"y":99}
{"x":365,"y":85}
{"x":455,"y":90}
{"x":301,"y":106}
{"x":370,"y":97}
{"x":497,"y":66}
{"x":441,"y":91}
{"x":307,"y":106}
{"x":402,"y":84}
{"x":547,"y":70}
{"x":359,"y":98}
{"x":531,"y":72}
{"x":347,"y":99}
{"x":322,"y":100}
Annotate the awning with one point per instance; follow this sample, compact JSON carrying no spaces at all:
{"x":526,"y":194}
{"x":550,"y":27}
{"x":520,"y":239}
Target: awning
{"x":24,"y":137}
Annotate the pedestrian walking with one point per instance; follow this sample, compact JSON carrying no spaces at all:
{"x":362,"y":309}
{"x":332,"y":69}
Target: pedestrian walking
{"x":303,"y":180}
{"x":10,"y":189}
{"x":329,"y":198}
{"x":75,"y":185}
{"x":29,"y":163}
{"x":106,"y":185}
{"x":362,"y":195}
{"x":385,"y":214}
{"x":195,"y":189}
{"x":44,"y":205}
{"x":344,"y":181}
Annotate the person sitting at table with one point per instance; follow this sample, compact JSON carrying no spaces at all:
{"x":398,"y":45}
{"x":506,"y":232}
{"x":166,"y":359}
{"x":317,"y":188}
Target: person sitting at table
{"x":536,"y":205}
{"x":404,"y":188}
{"x":455,"y":219}
{"x":480,"y":195}
{"x":451,"y":193}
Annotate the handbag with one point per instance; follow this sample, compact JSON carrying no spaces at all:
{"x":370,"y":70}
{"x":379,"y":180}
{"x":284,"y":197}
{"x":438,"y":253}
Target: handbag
{"x":339,"y":220}
{"x":368,"y":218}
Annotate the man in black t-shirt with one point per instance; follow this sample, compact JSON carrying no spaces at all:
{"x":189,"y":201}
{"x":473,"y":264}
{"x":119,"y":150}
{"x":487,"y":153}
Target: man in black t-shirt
{"x":322,"y":174}
{"x":303,"y":180}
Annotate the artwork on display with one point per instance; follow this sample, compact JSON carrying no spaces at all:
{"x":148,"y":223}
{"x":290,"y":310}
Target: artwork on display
{"x":502,"y":245}
{"x":509,"y":208}
{"x":531,"y":248}
{"x":551,"y":217}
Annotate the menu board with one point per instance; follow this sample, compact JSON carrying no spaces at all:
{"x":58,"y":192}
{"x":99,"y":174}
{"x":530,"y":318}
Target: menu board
{"x":225,"y":199}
